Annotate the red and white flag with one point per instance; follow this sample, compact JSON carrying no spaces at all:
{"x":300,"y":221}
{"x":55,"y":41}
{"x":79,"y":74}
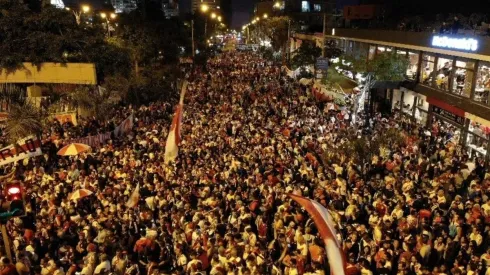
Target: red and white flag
{"x":326,"y":228}
{"x":134,"y":198}
{"x":173,"y":139}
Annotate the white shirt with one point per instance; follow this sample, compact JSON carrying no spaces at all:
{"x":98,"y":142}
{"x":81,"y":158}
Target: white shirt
{"x":103,"y":266}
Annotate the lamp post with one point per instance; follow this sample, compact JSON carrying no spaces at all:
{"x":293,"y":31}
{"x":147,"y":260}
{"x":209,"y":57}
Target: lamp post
{"x":111,"y":16}
{"x":324,"y":29}
{"x":78,"y":14}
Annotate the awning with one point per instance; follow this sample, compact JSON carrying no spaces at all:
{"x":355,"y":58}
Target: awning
{"x":477,"y":119}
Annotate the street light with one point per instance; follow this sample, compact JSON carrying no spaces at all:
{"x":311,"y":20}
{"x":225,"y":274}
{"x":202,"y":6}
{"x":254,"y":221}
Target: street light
{"x":277,"y":5}
{"x":219,"y":18}
{"x":213,"y":15}
{"x":103,"y":15}
{"x":113,"y":16}
{"x":85,"y":8}
{"x":204,"y":8}
{"x":265,"y":15}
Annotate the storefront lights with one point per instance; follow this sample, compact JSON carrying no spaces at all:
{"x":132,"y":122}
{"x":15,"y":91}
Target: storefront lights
{"x":466,"y":44}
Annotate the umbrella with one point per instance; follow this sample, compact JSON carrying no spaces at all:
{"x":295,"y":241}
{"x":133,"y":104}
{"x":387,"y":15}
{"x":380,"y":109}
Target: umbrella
{"x":73,"y":149}
{"x":80,"y":193}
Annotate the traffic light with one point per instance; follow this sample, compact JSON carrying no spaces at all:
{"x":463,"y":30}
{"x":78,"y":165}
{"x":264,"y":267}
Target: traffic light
{"x":14,"y":199}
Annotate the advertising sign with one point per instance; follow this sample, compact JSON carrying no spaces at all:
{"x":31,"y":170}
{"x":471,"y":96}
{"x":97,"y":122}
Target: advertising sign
{"x":465,"y":44}
{"x":448,"y":115}
{"x":23,"y":148}
{"x":322,"y":63}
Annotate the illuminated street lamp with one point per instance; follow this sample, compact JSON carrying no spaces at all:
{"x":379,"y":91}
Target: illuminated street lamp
{"x":113,"y":16}
{"x":277,"y":5}
{"x":103,"y":15}
{"x":265,"y":15}
{"x":219,"y":18}
{"x":204,"y":8}
{"x":213,"y":15}
{"x":85,"y":8}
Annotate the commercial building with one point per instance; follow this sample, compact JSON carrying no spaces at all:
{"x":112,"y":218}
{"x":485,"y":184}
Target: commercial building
{"x":212,"y":4}
{"x":170,"y":8}
{"x":124,"y":6}
{"x":447,"y":81}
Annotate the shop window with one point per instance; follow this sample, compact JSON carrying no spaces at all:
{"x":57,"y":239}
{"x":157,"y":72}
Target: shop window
{"x":372,"y":52}
{"x":382,"y":49}
{"x":317,"y":7}
{"x":477,"y":140}
{"x":482,"y":89}
{"x":443,"y":73}
{"x":463,"y":77}
{"x":427,"y":70}
{"x":305,"y":6}
{"x":421,"y":117}
{"x":413,"y":63}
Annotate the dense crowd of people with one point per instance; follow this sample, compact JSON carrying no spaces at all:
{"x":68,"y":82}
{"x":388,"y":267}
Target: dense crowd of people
{"x":250,"y":136}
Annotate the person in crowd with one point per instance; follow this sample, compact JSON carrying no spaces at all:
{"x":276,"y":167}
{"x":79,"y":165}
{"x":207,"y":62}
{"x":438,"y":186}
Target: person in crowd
{"x":250,"y":135}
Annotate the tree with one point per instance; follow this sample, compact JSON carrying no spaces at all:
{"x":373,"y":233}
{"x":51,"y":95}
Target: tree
{"x":362,"y":149}
{"x":331,"y":50}
{"x":306,"y":55}
{"x":24,"y":118}
{"x":277,"y":30}
{"x":384,"y":67}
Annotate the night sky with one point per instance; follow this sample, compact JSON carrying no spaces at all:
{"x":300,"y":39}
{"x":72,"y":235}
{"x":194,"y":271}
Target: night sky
{"x":242,"y":10}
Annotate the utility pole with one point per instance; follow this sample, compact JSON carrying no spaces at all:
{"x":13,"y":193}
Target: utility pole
{"x":289,"y":40}
{"x":6,"y":241}
{"x":193,"y":43}
{"x":324,"y":28}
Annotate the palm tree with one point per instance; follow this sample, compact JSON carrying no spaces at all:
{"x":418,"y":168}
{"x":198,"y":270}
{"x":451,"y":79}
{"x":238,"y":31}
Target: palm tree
{"x":24,"y":119}
{"x":96,"y":101}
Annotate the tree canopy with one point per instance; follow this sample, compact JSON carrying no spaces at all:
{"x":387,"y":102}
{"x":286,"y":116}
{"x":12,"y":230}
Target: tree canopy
{"x":306,"y":55}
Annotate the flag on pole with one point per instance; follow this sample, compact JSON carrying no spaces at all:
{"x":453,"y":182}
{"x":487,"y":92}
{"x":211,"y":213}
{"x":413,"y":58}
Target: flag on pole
{"x":134,"y":198}
{"x":326,"y":228}
{"x":173,"y":139}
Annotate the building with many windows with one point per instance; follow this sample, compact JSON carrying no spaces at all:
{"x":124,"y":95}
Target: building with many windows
{"x":447,"y":81}
{"x":170,"y":8}
{"x":212,"y":4}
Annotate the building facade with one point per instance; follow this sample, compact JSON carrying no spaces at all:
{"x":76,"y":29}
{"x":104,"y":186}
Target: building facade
{"x":124,"y":6}
{"x":170,"y":8}
{"x":447,"y":81}
{"x":212,"y":4}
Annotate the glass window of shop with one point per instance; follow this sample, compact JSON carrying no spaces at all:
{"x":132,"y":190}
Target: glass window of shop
{"x":477,"y":139}
{"x":397,"y":100}
{"x":451,"y":130}
{"x":413,"y":64}
{"x":383,"y":49}
{"x":408,"y":102}
{"x":421,"y":109}
{"x":463,"y":77}
{"x":427,"y":69}
{"x":482,"y":88}
{"x":372,"y":52}
{"x":443,"y":73}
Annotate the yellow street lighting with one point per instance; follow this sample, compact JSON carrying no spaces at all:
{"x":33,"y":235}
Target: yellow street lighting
{"x":67,"y":8}
{"x":113,"y":15}
{"x":265,"y":15}
{"x":244,"y":27}
{"x":213,"y":15}
{"x":219,"y":18}
{"x":277,"y":5}
{"x":204,"y":8}
{"x":85,"y":8}
{"x":257,"y":19}
{"x":103,"y":15}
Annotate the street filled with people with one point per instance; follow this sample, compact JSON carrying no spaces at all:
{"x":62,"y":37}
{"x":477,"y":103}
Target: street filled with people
{"x":250,"y":136}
